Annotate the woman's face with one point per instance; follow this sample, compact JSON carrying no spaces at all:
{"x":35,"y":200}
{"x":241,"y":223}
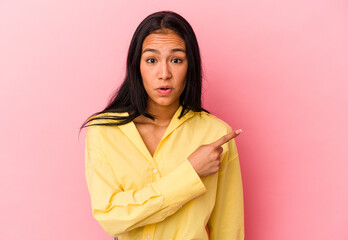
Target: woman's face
{"x":163,"y":68}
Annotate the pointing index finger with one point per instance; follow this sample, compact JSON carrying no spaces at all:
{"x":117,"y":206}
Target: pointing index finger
{"x":224,"y":139}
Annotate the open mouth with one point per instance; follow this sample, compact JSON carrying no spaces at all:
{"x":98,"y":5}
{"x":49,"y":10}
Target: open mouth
{"x":164,"y":90}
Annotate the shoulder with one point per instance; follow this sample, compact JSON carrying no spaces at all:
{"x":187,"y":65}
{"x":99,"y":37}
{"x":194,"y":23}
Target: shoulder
{"x":106,"y":118}
{"x":103,"y":124}
{"x":102,"y":127}
{"x":205,"y":119}
{"x":220,"y":128}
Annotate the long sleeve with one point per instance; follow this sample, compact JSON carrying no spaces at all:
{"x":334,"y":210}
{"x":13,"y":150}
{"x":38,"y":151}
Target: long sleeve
{"x":227,"y":219}
{"x":119,"y":211}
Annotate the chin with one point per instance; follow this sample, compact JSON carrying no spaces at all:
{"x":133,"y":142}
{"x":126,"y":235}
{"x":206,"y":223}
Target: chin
{"x":165,"y":103}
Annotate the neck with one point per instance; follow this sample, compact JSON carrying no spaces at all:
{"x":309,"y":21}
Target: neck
{"x":163,"y":114}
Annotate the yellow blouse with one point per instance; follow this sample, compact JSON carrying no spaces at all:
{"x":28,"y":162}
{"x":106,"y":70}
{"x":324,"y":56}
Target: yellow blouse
{"x":137,"y":196}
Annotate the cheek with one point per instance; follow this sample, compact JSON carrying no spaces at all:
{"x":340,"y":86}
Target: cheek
{"x":142,"y":71}
{"x":182,"y":84}
{"x":184,"y":77}
{"x":144,"y":75}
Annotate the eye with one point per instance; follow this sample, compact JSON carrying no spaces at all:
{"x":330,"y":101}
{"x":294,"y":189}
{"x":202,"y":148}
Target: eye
{"x":151,"y":60}
{"x":177,"y":60}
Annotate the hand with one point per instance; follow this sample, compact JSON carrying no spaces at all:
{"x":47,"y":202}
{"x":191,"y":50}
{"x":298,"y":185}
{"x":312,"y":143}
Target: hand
{"x":206,"y":158}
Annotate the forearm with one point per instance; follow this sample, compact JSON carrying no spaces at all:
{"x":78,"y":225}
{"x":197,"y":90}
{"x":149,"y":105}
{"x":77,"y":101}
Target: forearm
{"x":120,"y":211}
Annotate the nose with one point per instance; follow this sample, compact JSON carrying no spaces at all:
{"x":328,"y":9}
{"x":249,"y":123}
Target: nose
{"x":164,"y":71}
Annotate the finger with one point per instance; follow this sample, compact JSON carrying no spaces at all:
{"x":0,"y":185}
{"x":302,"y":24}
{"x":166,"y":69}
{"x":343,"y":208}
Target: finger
{"x":224,"y":139}
{"x":220,"y":150}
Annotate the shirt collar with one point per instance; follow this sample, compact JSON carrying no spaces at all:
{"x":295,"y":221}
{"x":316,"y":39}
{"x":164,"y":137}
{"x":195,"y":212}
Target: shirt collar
{"x":134,"y":136}
{"x":176,"y":122}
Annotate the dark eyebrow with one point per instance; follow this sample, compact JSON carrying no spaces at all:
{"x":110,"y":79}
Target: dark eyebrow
{"x":158,"y":52}
{"x":151,"y":50}
{"x":178,"y":50}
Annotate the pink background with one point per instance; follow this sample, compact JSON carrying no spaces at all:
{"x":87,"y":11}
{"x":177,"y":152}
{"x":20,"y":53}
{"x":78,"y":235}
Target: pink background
{"x":276,"y":69}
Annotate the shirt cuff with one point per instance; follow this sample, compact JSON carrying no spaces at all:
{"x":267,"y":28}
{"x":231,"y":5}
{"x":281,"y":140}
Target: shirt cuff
{"x":181,"y":185}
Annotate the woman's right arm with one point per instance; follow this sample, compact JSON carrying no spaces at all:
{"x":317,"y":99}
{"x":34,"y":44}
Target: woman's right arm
{"x":119,"y":211}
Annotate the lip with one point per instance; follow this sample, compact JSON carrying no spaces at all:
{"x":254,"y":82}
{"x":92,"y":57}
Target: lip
{"x":164,"y":90}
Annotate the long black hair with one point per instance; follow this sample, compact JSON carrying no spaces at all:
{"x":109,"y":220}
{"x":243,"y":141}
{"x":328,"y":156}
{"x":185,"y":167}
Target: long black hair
{"x":131,"y":97}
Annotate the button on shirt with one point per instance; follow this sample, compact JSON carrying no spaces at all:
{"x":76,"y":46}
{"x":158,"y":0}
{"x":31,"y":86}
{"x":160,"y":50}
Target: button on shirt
{"x":138,"y":196}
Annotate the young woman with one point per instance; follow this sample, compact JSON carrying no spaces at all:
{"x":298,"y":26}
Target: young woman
{"x":159,"y":166}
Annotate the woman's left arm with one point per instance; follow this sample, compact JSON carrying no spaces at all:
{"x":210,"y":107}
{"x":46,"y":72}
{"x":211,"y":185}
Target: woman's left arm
{"x":227,"y":219}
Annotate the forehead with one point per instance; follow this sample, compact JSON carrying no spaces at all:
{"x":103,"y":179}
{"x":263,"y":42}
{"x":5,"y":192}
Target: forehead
{"x":164,"y":39}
